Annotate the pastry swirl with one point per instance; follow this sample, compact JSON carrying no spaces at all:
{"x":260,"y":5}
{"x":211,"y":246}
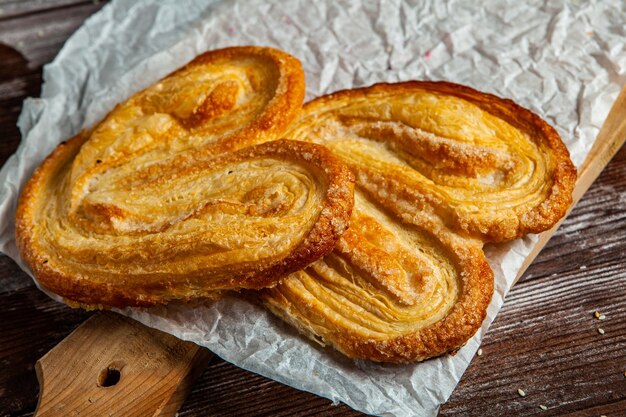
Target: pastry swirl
{"x":440,"y":170}
{"x":484,"y":165}
{"x":389,"y":292}
{"x":165,"y":200}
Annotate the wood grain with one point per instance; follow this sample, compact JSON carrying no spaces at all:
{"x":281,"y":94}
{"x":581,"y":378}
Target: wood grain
{"x":30,"y":325}
{"x":31,"y":34}
{"x":10,"y":9}
{"x":544,"y":340}
{"x":112,"y":365}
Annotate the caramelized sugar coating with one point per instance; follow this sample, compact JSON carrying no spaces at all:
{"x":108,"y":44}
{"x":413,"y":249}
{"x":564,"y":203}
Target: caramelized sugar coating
{"x":390,"y":291}
{"x":485,"y":166}
{"x":165,"y":200}
{"x":440,"y":170}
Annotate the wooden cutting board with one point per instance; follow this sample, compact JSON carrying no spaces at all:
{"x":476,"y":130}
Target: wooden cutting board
{"x":114,"y":366}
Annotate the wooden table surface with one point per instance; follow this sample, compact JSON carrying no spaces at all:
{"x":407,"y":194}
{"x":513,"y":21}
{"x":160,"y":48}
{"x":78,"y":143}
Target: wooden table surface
{"x":544,"y":341}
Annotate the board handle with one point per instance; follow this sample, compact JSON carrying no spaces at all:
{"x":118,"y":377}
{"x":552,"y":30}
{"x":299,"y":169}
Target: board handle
{"x":114,"y":366}
{"x":610,"y":139}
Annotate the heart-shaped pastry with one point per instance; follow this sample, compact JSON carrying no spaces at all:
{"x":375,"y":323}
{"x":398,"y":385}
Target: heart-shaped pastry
{"x":175,"y":197}
{"x":440,"y":170}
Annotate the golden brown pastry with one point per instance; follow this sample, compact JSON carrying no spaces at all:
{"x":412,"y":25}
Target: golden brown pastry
{"x":484,"y":165}
{"x":440,"y":169}
{"x":390,"y":291}
{"x":163,"y":200}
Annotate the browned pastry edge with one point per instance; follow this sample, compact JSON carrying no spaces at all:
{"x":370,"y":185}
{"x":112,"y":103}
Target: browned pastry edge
{"x":540,"y":218}
{"x":444,"y":336}
{"x":321,"y":239}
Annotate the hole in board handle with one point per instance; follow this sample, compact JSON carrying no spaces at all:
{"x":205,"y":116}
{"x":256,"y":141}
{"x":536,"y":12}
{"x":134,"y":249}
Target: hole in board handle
{"x":109,"y":376}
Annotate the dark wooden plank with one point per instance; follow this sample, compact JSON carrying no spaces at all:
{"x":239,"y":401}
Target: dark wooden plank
{"x":17,"y":81}
{"x":10,"y":9}
{"x":38,"y":36}
{"x":26,"y":43}
{"x":30,"y":325}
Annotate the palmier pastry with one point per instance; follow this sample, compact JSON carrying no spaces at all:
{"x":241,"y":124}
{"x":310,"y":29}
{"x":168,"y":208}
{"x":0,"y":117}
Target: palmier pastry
{"x":163,"y":200}
{"x":440,"y":170}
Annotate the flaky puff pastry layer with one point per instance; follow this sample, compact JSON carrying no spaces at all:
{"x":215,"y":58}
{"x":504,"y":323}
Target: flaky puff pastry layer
{"x":164,"y":200}
{"x":440,"y":170}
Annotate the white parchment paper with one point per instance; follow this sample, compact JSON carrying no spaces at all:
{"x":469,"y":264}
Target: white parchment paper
{"x":564,"y":60}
